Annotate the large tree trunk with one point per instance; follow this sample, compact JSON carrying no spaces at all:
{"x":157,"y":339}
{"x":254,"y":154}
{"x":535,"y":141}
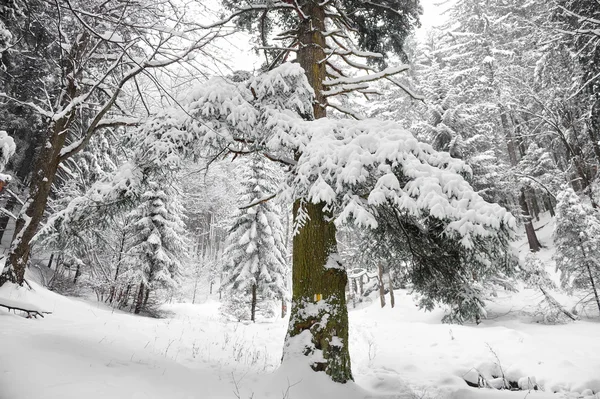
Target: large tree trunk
{"x":318,"y":332}
{"x":319,"y":316}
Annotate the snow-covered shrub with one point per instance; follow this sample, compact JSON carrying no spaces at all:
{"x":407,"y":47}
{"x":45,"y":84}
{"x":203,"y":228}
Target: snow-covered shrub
{"x":236,"y":306}
{"x":534,"y":274}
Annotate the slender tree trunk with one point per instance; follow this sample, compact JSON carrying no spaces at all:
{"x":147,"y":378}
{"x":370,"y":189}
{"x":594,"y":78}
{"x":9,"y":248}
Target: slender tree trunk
{"x":77,"y":274}
{"x":391,"y":286}
{"x":550,"y":205}
{"x":361,"y":286}
{"x":253,"y":304}
{"x":125,"y":296}
{"x":534,"y":244}
{"x":50,"y":261}
{"x":593,"y":286}
{"x":381,"y":286}
{"x":146,"y":296}
{"x":594,"y":127}
{"x":317,"y":274}
{"x":139,"y":303}
{"x":508,"y":135}
{"x":533,"y":204}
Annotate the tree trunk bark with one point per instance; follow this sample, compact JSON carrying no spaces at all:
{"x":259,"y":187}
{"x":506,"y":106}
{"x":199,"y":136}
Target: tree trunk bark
{"x":534,"y":244}
{"x":361,"y":286}
{"x":139,"y":303}
{"x":318,"y":298}
{"x":146,"y":296}
{"x":593,"y":286}
{"x":77,"y":274}
{"x":381,"y":286}
{"x":391,"y":286}
{"x":42,"y":175}
{"x":253,"y":304}
{"x":318,"y":332}
{"x":508,"y":135}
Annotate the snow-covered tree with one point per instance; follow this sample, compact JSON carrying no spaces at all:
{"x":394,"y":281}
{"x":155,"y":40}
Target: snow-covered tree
{"x":83,"y":55}
{"x":158,"y":245}
{"x":255,"y":257}
{"x":339,"y":167}
{"x":577,"y":240}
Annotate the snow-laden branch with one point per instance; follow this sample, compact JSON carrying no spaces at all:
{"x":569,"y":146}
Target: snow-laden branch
{"x":78,"y":145}
{"x":259,"y":201}
{"x":353,"y":166}
{"x":35,"y":107}
{"x":367,"y":78}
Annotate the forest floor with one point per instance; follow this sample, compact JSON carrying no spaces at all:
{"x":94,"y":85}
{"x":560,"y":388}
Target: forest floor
{"x":87,"y":350}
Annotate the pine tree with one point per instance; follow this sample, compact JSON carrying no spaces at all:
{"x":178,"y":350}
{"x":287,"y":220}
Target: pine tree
{"x":577,"y":240}
{"x":255,"y":254}
{"x":157,"y":246}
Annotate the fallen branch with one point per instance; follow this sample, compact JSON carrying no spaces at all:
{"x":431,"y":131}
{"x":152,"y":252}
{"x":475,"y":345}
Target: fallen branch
{"x":557,"y":305}
{"x":31,"y":313}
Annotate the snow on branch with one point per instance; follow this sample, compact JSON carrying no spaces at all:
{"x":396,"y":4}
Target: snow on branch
{"x":356,"y":166}
{"x":367,"y":78}
{"x":353,"y":166}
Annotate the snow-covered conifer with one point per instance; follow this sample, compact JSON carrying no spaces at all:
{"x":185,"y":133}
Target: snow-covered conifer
{"x":255,"y":263}
{"x":158,"y":244}
{"x":577,"y":240}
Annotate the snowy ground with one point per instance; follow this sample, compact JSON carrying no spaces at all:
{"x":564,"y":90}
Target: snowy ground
{"x":86,"y":350}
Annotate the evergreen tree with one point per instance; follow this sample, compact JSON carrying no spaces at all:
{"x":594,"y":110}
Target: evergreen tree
{"x":577,"y":240}
{"x":157,"y":246}
{"x":255,"y":254}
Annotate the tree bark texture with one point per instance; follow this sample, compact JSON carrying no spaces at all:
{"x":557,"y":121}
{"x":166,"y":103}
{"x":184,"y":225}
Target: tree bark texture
{"x":593,"y":283}
{"x":319,"y":317}
{"x":318,"y":326}
{"x":139,"y":303}
{"x":44,"y":171}
{"x":253,"y":304}
{"x":391,"y":286}
{"x":534,"y":244}
{"x":381,"y":286}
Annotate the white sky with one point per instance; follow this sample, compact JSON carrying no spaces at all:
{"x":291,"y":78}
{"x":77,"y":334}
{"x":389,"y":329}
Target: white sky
{"x":243,"y":57}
